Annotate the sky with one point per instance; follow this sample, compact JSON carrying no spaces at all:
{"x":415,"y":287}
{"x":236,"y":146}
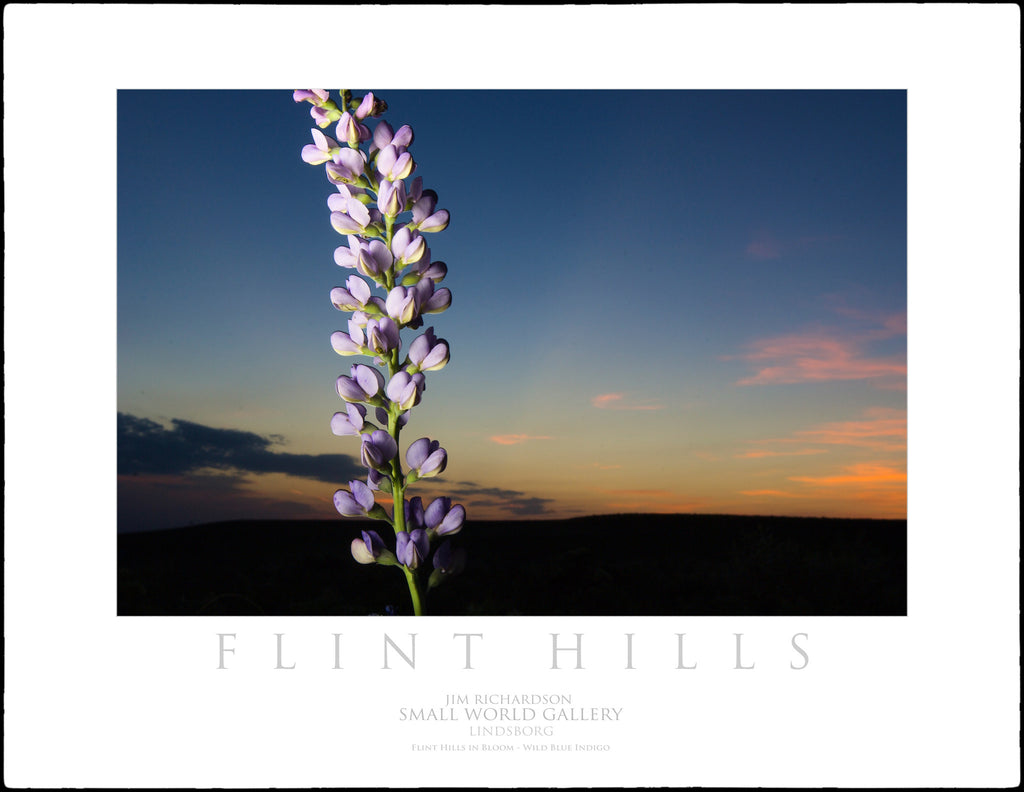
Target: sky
{"x":663,"y":301}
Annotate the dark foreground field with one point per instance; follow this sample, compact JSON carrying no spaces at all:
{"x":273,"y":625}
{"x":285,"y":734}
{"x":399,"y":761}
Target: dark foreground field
{"x":624,"y":565}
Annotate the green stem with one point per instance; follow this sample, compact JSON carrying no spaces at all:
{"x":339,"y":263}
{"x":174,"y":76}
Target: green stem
{"x":397,"y":477}
{"x":418,"y":605}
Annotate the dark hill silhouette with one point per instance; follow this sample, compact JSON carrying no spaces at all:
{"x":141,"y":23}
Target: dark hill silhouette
{"x":615,"y":565}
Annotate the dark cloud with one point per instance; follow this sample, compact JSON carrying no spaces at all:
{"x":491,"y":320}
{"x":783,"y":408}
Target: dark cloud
{"x":147,"y":447}
{"x":511,"y":501}
{"x":202,"y":474}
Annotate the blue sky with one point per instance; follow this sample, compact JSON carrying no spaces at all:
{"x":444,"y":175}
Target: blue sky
{"x":662,"y":301}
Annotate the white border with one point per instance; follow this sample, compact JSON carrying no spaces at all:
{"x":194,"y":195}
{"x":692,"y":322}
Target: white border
{"x":92,"y":700}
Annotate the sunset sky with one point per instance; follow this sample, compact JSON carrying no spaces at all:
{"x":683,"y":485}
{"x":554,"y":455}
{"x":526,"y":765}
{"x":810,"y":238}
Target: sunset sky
{"x":663,"y":301}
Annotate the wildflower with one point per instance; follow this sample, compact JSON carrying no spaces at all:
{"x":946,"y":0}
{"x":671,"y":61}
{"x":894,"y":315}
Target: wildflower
{"x":447,"y":562}
{"x":425,"y":218}
{"x":382,"y":336}
{"x":362,"y":386}
{"x":427,"y":353}
{"x":357,"y":501}
{"x":405,"y":390}
{"x":350,"y":422}
{"x":378,"y":449}
{"x":352,"y":298}
{"x":401,"y":304}
{"x":323,"y":149}
{"x":412,"y":547}
{"x":442,"y":518}
{"x":347,"y":167}
{"x":406,"y":247}
{"x":374,"y":189}
{"x":352,"y":218}
{"x":370,"y":549}
{"x":426,"y":458}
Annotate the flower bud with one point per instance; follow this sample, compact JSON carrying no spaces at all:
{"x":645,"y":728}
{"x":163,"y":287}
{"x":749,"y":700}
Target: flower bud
{"x":426,"y":458}
{"x":378,"y":449}
{"x":350,"y":422}
{"x":412,"y":547}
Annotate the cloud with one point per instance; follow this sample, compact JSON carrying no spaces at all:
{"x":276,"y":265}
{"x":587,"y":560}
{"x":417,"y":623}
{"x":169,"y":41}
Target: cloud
{"x":515,"y":439}
{"x":819,"y":356}
{"x":880,"y":430}
{"x":869,"y":471}
{"x":618,"y":401}
{"x":765,"y":246}
{"x":763,"y":454}
{"x":770,"y":493}
{"x":147,"y":447}
{"x":859,"y":475}
{"x":148,"y":502}
{"x":503,"y":501}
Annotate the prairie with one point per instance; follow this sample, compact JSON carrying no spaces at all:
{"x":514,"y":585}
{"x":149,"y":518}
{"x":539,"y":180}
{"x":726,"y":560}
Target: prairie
{"x":613,"y":565}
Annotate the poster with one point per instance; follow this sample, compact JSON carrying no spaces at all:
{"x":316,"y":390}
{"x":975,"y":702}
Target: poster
{"x":930,"y":698}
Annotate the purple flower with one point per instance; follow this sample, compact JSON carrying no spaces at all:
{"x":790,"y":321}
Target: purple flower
{"x":356,"y":503}
{"x":382,"y":335}
{"x":414,"y":513}
{"x":366,"y":106}
{"x":415,"y":191}
{"x":370,"y":549}
{"x":425,"y":218}
{"x":391,"y":198}
{"x":428,"y":353}
{"x":352,"y":298}
{"x":401,"y":304}
{"x":412,"y":547}
{"x":405,"y":390}
{"x":347,"y":344}
{"x":323,"y":117}
{"x":378,"y":449}
{"x":439,"y":301}
{"x":378,"y":481}
{"x":350,"y":422}
{"x":394,"y":163}
{"x":442,"y":518}
{"x":406,"y":247}
{"x":322,"y":149}
{"x":351,"y":131}
{"x":363,"y":385}
{"x":352,"y":219}
{"x":314,"y":95}
{"x":436,"y":270}
{"x":426,"y":458}
{"x":384,"y":136}
{"x":448,"y":561}
{"x":374,"y":259}
{"x":347,"y":167}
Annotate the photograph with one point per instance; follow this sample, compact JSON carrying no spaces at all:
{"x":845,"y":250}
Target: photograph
{"x":604,"y":352}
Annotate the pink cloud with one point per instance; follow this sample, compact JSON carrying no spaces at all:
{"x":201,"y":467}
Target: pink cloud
{"x":770,"y":493}
{"x":880,"y":430}
{"x":618,"y":401}
{"x":515,"y":439}
{"x":763,"y":454}
{"x":816,"y":357}
{"x":764,"y":248}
